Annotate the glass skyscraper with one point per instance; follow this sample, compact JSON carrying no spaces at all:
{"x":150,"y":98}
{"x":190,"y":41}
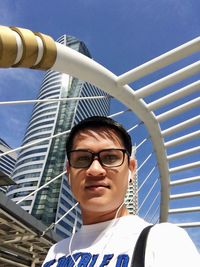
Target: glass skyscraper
{"x":39,"y":164}
{"x":131,"y":199}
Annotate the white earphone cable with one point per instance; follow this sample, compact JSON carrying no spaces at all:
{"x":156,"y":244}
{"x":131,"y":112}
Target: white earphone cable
{"x":108,"y":230}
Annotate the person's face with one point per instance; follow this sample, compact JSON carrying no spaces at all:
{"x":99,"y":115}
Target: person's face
{"x":99,"y":189}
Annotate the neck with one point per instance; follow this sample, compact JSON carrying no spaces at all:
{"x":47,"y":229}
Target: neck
{"x":91,"y":217}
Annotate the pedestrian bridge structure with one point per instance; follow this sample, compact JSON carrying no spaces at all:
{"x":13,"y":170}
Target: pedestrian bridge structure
{"x":159,"y":106}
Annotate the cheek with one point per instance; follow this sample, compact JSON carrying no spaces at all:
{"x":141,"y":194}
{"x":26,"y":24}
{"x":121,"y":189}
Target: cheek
{"x":75,"y":190}
{"x":120,"y":180}
{"x":76,"y":181}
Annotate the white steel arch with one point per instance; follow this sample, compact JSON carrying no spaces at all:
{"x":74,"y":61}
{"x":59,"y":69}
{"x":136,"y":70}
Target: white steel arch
{"x":23,"y":48}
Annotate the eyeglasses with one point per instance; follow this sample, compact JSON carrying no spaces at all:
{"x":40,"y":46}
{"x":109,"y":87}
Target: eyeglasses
{"x":108,"y":157}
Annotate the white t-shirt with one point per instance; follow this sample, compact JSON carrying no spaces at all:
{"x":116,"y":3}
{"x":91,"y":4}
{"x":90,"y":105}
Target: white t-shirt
{"x":112,"y":243}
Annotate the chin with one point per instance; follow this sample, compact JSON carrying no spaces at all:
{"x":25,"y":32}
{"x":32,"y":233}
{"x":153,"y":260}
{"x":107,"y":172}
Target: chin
{"x":100,"y":206}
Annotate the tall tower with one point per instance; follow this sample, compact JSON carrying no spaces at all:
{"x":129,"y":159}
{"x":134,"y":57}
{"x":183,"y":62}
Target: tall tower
{"x":41,"y":163}
{"x":131,"y":198}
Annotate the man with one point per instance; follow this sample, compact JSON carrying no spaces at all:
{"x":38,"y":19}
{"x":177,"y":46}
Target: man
{"x":99,"y":169}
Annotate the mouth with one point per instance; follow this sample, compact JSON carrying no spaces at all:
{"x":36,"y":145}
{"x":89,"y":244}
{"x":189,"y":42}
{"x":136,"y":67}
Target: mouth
{"x":95,"y":187}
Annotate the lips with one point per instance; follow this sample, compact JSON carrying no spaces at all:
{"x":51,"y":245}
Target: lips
{"x":97,"y":185}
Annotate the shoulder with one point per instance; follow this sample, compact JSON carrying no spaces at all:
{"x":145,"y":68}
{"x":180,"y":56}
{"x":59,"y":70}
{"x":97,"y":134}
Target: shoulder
{"x":166,"y":228}
{"x":169,"y":245}
{"x":169,"y":233}
{"x":61,"y":245}
{"x":57,"y":250}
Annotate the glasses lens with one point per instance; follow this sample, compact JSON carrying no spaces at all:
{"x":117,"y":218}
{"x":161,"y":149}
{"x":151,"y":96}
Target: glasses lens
{"x":80,"y":159}
{"x":111,"y":157}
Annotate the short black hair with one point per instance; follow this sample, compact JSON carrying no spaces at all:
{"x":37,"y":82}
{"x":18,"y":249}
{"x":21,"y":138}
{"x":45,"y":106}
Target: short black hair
{"x":98,"y":122}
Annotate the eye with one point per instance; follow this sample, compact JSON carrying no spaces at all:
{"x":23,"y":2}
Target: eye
{"x":83,"y":158}
{"x":80,"y":156}
{"x":109,"y":158}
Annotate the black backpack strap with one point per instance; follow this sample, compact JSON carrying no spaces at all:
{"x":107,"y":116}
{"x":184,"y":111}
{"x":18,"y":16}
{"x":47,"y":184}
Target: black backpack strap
{"x":139,"y":251}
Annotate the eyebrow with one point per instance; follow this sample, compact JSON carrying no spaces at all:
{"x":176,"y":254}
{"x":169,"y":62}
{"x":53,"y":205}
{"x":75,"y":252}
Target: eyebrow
{"x":87,"y":149}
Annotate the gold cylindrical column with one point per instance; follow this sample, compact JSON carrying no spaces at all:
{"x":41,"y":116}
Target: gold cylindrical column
{"x":30,"y":48}
{"x":8,"y":47}
{"x":49,"y":52}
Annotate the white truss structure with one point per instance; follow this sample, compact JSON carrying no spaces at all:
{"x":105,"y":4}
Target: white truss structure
{"x":167,"y":108}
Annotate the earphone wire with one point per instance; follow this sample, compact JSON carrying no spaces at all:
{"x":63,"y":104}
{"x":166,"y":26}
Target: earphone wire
{"x":114,"y":221}
{"x":71,"y":239}
{"x":108,"y":230}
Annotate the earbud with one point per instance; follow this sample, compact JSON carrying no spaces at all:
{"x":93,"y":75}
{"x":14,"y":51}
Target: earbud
{"x":129,"y":176}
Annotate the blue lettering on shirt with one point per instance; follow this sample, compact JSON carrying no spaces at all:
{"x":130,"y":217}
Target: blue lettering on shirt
{"x":122,"y":260}
{"x":106,"y":260}
{"x":94,"y":259}
{"x":85,"y":259}
{"x":68,"y":261}
{"x":49,"y":263}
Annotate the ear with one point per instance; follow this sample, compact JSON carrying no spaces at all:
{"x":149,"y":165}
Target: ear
{"x":68,"y":172}
{"x":132,"y":169}
{"x":67,"y":167}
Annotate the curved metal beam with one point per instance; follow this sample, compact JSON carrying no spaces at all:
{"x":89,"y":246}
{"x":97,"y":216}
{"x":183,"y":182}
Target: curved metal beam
{"x":66,"y":60}
{"x":82,"y":67}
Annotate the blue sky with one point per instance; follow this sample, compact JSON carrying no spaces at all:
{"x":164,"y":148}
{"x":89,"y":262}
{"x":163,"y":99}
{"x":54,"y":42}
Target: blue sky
{"x":120,"y":34}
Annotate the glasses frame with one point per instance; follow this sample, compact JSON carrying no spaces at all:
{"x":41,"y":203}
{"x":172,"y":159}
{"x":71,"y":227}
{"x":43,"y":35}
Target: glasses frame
{"x":96,"y":156}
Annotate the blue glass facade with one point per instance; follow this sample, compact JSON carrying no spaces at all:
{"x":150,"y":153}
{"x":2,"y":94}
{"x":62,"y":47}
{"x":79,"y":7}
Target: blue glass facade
{"x":41,"y":163}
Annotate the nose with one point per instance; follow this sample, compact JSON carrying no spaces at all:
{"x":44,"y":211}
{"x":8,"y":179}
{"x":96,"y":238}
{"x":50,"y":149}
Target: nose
{"x":96,"y":169}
